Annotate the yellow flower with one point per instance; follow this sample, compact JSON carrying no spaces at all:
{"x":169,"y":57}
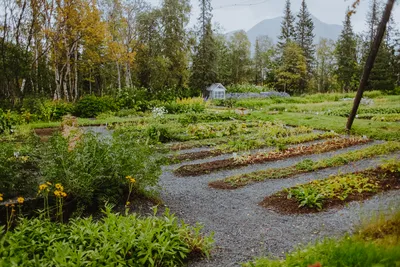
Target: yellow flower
{"x":1,"y":197}
{"x":20,"y":200}
{"x":43,"y":187}
{"x":60,"y":187}
{"x":57,"y":193}
{"x":63,"y":194}
{"x":128,"y":177}
{"x":127,"y":203}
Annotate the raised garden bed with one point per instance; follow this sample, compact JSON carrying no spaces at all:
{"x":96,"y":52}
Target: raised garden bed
{"x":335,"y":191}
{"x":232,"y":163}
{"x":256,"y":144}
{"x":307,"y":165}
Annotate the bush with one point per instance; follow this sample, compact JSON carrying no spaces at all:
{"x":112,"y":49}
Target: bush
{"x":19,"y":174}
{"x":94,"y":169}
{"x":113,"y":241}
{"x":160,"y":134}
{"x":90,"y":106}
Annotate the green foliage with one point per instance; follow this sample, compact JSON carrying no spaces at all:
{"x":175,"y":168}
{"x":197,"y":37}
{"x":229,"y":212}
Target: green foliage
{"x":113,"y":240}
{"x":93,"y":169}
{"x":347,"y":251}
{"x":314,"y":193}
{"x":191,"y":118}
{"x":5,"y":122}
{"x":90,"y":106}
{"x":160,"y":134}
{"x":46,"y":110}
{"x":19,"y":173}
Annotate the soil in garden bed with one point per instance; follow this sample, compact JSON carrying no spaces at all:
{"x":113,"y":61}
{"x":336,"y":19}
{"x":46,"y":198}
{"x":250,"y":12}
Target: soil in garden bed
{"x":231,"y":163}
{"x":280,"y":203}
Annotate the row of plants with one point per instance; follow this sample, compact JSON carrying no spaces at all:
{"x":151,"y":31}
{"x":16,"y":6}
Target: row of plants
{"x":305,"y":166}
{"x":245,"y":160}
{"x":114,"y":240}
{"x":91,"y":106}
{"x":335,"y":190}
{"x":373,"y":244}
{"x":382,"y":117}
{"x":245,"y":143}
{"x":362,"y":110}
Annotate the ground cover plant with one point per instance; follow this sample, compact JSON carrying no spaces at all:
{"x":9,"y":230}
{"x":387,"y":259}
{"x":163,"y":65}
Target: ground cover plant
{"x":336,"y":190}
{"x":304,"y":166}
{"x":114,"y":240}
{"x":375,"y":243}
{"x":231,"y":163}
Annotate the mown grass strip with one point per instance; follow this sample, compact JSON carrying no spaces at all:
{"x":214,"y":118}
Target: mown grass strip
{"x":304,"y":166}
{"x":301,"y":150}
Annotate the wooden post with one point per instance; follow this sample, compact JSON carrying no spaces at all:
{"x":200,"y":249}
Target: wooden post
{"x":370,"y":62}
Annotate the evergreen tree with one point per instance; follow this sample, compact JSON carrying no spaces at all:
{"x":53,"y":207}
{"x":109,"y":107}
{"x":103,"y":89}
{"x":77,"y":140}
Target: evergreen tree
{"x":287,"y":27}
{"x":292,"y":69}
{"x":346,"y":57}
{"x":204,"y":71}
{"x":382,"y":75}
{"x":305,"y":38}
{"x":258,"y":66}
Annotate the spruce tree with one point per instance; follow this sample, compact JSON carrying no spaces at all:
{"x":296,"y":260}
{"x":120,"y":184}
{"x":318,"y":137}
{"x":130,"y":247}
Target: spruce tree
{"x":204,"y":69}
{"x":382,"y":75}
{"x":305,"y":38}
{"x":287,"y":27}
{"x":346,"y":57}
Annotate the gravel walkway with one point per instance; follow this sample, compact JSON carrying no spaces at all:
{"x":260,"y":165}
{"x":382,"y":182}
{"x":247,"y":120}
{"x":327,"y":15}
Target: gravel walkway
{"x":244,"y":230}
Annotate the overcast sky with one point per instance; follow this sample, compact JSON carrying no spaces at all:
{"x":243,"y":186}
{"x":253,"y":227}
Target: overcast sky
{"x":244,"y":14}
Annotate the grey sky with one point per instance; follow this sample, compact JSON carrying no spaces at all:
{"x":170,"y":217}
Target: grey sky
{"x":244,"y":14}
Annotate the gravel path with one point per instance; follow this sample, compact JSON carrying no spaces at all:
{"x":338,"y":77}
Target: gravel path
{"x":244,"y":230}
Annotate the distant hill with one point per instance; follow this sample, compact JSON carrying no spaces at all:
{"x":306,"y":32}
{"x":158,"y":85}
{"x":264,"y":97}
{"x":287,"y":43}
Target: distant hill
{"x":272,"y":28}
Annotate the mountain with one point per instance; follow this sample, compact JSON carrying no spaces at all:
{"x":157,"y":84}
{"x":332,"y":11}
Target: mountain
{"x":272,"y":28}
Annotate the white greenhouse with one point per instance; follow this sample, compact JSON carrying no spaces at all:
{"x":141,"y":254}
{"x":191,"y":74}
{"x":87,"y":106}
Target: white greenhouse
{"x":216,"y":91}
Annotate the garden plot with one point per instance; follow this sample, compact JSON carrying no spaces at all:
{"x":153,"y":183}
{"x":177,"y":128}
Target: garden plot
{"x":232,"y":163}
{"x":243,"y":229}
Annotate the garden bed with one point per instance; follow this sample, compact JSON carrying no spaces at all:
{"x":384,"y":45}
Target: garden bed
{"x":232,"y":163}
{"x":304,"y":166}
{"x":254,"y":144}
{"x":335,"y":191}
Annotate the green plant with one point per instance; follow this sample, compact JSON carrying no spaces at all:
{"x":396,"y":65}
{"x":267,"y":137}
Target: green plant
{"x":307,"y":197}
{"x":90,"y":106}
{"x":93,"y":171}
{"x":115,"y":239}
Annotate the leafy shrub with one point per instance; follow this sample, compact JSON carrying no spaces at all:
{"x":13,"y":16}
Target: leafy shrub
{"x":160,"y":134}
{"x":114,"y":240}
{"x":94,"y":169}
{"x":192,"y":118}
{"x":47,"y":110}
{"x":18,"y":170}
{"x":186,"y":105}
{"x":90,"y":106}
{"x":5,"y":122}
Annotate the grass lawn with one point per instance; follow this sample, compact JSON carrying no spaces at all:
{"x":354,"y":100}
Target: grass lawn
{"x":372,"y":129}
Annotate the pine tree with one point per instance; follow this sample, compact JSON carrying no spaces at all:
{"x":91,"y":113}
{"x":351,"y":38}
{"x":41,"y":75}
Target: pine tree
{"x":204,"y":71}
{"x":258,"y":63}
{"x":287,"y":27}
{"x":382,"y":75}
{"x":305,"y":38}
{"x":346,"y":57}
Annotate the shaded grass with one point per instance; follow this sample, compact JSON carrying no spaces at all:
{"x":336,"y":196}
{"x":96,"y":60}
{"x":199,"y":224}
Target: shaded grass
{"x":372,"y":129}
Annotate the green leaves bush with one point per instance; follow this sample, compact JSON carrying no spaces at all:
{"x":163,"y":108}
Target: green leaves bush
{"x":115,"y":240}
{"x":94,"y":171}
{"x":19,"y":174}
{"x":90,"y":106}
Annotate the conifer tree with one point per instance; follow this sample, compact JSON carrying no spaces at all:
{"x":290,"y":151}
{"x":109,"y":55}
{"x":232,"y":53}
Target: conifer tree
{"x":305,"y":38}
{"x":346,"y":57}
{"x":287,"y":27}
{"x":204,"y":71}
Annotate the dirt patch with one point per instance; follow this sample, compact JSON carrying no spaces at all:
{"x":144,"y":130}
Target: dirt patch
{"x":281,"y":204}
{"x":197,"y":155}
{"x":231,"y":163}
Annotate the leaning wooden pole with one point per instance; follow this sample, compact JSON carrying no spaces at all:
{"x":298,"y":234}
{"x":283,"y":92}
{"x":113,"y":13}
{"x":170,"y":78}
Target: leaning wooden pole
{"x":370,"y":61}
